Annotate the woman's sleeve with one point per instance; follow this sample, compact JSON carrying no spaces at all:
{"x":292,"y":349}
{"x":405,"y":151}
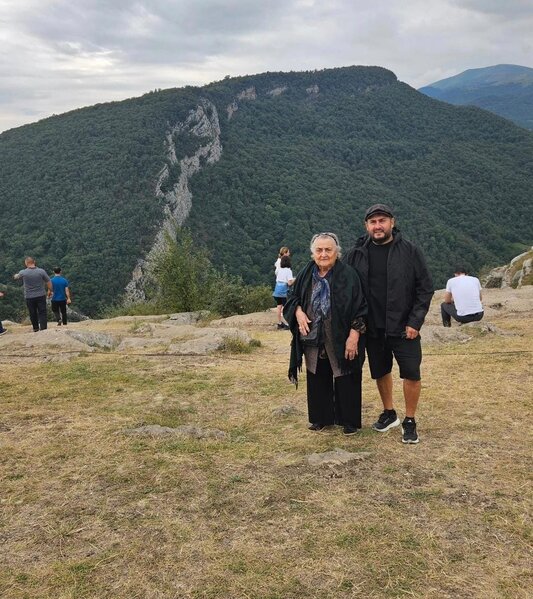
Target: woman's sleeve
{"x":359,"y":306}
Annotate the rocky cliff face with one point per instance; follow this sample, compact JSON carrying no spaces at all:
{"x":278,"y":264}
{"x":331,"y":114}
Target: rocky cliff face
{"x":518,"y":273}
{"x":201,"y":123}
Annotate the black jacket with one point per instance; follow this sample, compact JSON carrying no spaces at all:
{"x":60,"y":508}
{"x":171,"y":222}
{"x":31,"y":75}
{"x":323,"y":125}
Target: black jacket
{"x":348,"y":310}
{"x":409,"y":284}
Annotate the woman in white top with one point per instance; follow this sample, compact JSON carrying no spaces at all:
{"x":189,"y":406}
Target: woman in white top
{"x":284,"y":278}
{"x":283,"y":251}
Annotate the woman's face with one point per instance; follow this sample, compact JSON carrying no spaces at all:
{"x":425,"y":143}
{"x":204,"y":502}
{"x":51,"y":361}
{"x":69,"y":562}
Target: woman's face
{"x":324,"y":253}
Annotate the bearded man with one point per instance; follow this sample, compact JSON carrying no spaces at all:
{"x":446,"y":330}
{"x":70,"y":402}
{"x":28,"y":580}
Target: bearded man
{"x":398,"y":289}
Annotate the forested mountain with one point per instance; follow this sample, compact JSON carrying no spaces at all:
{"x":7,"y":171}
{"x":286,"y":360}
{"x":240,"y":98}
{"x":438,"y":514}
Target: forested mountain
{"x":269,"y":160}
{"x":505,"y":89}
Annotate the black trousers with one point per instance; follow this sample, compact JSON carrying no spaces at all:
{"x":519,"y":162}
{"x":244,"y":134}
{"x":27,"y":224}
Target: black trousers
{"x":333,"y":401}
{"x":57,"y":306}
{"x":448,"y":311}
{"x":37,"y":310}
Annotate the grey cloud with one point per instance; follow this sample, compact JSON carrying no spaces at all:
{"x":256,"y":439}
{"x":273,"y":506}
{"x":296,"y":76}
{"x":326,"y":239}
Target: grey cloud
{"x":508,"y":9}
{"x":151,"y":31}
{"x":101,"y":50}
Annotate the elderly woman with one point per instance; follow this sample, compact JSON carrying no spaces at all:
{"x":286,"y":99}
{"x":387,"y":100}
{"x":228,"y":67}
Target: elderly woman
{"x":326,"y":312}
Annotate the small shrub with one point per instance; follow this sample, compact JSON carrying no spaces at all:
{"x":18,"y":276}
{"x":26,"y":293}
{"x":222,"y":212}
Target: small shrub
{"x":236,"y":345}
{"x":258,"y":299}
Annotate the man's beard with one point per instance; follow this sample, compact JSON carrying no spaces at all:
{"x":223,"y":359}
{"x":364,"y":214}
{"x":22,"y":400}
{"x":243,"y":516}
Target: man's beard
{"x":382,"y":240}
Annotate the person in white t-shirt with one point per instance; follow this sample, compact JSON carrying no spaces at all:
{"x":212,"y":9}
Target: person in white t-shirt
{"x":462,"y":299}
{"x":284,"y":278}
{"x":283,"y":251}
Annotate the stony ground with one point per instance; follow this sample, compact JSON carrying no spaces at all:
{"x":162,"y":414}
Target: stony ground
{"x":152,"y":458}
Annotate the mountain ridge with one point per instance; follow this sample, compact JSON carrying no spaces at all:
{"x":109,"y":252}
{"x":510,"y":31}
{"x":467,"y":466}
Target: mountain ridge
{"x":506,"y":90}
{"x":299,"y":152}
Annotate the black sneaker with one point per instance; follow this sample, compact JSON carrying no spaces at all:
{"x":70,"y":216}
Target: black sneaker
{"x":409,"y":434}
{"x":317,"y":427}
{"x":3,"y":331}
{"x":349,"y":430}
{"x":387,"y":420}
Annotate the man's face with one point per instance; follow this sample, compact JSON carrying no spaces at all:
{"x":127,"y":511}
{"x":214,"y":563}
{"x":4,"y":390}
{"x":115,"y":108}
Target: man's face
{"x":379,"y":227}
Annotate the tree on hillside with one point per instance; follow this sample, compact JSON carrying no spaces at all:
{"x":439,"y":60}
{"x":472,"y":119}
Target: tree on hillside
{"x":185,"y":281}
{"x":183,"y":273}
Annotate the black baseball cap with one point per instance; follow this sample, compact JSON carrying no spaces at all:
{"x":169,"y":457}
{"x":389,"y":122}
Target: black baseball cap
{"x":378,"y":209}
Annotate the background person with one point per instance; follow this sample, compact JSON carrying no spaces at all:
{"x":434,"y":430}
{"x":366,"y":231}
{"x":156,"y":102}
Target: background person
{"x":398,"y":289}
{"x":60,"y":295}
{"x":35,"y":280}
{"x":462,"y":299}
{"x":284,"y":278}
{"x":327,"y":297}
{"x":2,"y":330}
{"x":283,"y":251}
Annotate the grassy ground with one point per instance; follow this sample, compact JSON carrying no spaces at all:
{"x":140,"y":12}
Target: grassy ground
{"x":89,"y":512}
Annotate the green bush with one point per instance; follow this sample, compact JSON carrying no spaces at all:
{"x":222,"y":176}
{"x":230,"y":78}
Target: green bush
{"x":258,"y":299}
{"x":12,"y":305}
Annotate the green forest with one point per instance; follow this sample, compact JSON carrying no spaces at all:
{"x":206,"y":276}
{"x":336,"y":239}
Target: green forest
{"x":78,"y":190}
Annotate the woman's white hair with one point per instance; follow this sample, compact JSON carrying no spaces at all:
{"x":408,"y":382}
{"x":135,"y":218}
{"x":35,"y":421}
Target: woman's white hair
{"x":325,"y":236}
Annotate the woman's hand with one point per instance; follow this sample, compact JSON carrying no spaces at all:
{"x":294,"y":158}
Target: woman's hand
{"x":350,"y":350}
{"x":303,"y":321}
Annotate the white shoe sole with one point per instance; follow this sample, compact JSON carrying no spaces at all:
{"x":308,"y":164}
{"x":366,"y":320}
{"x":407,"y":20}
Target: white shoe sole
{"x":391,"y":425}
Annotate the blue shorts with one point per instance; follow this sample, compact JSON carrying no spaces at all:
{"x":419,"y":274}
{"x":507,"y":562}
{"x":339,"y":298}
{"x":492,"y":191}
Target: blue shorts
{"x":407,"y":353}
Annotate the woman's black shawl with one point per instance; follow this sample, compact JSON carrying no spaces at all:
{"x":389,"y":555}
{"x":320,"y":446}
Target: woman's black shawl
{"x":348,"y":308}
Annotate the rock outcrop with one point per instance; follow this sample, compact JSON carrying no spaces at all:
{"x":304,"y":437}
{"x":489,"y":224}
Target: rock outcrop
{"x":518,"y":273}
{"x":203,"y":124}
{"x":249,"y":93}
{"x":277,"y":91}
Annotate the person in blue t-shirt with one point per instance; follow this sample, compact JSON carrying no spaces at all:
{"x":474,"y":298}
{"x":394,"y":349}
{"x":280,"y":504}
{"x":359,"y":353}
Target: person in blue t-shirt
{"x":60,"y":295}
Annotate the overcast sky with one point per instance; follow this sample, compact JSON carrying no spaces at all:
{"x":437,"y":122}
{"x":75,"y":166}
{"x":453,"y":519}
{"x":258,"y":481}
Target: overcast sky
{"x":57,"y":55}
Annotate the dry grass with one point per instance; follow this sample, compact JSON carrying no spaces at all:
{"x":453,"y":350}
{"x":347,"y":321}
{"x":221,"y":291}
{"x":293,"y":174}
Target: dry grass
{"x":88,"y":512}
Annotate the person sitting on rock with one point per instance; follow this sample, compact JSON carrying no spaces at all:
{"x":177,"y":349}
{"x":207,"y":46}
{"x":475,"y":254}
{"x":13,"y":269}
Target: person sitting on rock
{"x":462,"y":299}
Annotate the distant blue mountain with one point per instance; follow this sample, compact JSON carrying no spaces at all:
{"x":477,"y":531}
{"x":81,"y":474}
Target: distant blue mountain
{"x":505,"y":89}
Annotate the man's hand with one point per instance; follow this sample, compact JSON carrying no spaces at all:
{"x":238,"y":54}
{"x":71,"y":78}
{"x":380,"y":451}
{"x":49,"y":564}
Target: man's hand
{"x":303,"y":321}
{"x":68,"y":300}
{"x":411,"y":333}
{"x":350,"y":350}
{"x":1,"y":294}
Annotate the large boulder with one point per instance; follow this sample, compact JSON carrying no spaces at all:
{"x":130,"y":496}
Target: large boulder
{"x":516,"y":274}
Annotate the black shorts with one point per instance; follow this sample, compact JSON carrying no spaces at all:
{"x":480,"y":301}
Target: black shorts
{"x":407,"y":352}
{"x":280,"y":301}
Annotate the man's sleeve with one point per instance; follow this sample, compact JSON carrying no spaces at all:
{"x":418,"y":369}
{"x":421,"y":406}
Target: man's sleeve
{"x":423,"y":291}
